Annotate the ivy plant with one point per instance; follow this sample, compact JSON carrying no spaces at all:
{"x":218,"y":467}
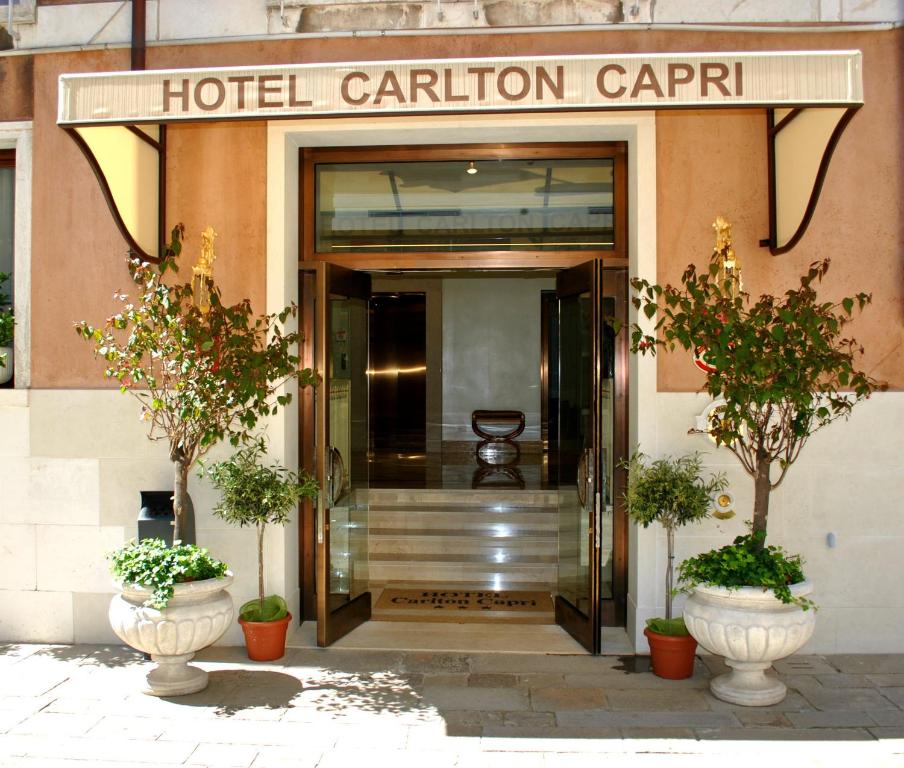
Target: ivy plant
{"x":784,"y":365}
{"x":7,"y":322}
{"x":673,"y":493}
{"x":257,"y":495}
{"x":745,"y":562}
{"x":151,"y":563}
{"x":200,"y":376}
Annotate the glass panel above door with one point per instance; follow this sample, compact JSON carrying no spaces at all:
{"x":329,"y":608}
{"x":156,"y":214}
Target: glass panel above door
{"x":462,"y":205}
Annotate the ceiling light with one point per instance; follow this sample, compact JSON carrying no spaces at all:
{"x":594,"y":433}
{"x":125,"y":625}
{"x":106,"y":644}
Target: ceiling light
{"x":472,"y":169}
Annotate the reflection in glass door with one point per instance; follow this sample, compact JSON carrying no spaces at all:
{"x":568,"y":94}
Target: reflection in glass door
{"x":342,"y":439}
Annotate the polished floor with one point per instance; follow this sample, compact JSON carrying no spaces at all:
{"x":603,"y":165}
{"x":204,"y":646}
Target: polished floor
{"x":458,"y":468}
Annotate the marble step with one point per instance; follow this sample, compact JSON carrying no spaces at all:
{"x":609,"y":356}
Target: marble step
{"x":404,"y":542}
{"x":510,"y":522}
{"x":478,"y":498}
{"x":451,"y":572}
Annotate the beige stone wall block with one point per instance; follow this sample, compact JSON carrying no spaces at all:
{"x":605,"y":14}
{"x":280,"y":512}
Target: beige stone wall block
{"x":872,"y":10}
{"x":14,"y":478}
{"x":239,"y":551}
{"x":64,"y":492}
{"x":712,"y":11}
{"x":354,"y":17}
{"x":237,"y":547}
{"x":529,"y":13}
{"x":14,"y":428}
{"x":73,"y":558}
{"x":851,"y":501}
{"x":35,"y":616}
{"x":89,"y":618}
{"x":17,"y":557}
{"x":869,"y":438}
{"x":121,"y":480}
{"x":89,"y":423}
{"x":859,"y":571}
{"x":866,"y":628}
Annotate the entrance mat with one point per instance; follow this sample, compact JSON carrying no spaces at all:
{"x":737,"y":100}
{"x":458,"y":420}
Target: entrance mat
{"x":448,"y":602}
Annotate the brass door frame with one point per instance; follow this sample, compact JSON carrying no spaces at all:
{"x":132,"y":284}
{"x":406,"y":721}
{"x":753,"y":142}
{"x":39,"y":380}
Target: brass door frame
{"x":612,"y":264}
{"x":332,"y":622}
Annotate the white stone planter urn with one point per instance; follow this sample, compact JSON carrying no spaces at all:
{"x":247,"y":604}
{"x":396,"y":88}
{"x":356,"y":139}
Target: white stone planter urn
{"x":6,"y":370}
{"x":196,"y":616}
{"x":751,"y":628}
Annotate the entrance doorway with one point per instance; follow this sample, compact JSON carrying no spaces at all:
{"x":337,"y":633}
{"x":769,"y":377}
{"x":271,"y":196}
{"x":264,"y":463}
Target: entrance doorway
{"x":574,"y":428}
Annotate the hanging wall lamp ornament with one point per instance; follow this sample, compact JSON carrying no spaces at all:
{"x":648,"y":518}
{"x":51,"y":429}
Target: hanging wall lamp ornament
{"x":202,"y":272}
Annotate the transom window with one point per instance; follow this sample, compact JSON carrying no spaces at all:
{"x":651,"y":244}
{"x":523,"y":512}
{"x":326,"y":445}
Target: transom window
{"x":480,"y":203}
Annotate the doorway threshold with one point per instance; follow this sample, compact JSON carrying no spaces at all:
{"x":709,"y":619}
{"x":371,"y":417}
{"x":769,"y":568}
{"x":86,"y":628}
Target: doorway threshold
{"x":462,"y":638}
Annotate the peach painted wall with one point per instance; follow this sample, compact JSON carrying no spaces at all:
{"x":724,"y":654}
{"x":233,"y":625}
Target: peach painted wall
{"x":708,"y":162}
{"x":216,"y":174}
{"x":16,"y":87}
{"x":77,"y":253}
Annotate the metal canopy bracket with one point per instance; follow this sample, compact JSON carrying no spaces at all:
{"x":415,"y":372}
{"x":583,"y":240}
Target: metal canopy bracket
{"x":801,"y":142}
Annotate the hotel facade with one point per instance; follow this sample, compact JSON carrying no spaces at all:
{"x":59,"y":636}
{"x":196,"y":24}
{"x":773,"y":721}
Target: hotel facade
{"x":493,"y":173}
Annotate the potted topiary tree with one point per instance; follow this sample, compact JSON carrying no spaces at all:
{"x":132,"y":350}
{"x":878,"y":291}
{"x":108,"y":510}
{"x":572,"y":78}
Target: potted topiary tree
{"x":258,"y":495}
{"x":7,"y":326}
{"x":202,"y":370}
{"x":673,"y":493}
{"x":782,"y":369}
{"x":162,"y":588}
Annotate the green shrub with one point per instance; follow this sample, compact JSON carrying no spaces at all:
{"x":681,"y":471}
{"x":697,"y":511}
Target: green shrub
{"x":7,"y":322}
{"x":257,"y":495}
{"x":747,"y":563}
{"x":152,"y":564}
{"x":673,"y":493}
{"x":668,"y":627}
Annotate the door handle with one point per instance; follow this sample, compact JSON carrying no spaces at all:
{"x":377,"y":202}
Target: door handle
{"x":337,"y":476}
{"x":585,"y":476}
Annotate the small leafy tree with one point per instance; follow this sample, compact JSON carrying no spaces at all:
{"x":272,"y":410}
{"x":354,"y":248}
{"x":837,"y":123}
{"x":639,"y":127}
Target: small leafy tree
{"x":670,"y":492}
{"x":257,"y":495}
{"x":200,"y":376}
{"x":782,"y":364}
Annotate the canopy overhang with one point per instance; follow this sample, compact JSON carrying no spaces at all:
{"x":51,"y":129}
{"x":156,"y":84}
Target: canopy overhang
{"x":119,"y":119}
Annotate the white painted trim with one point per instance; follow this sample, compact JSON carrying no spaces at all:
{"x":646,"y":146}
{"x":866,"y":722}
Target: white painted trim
{"x":637,"y":128}
{"x":18,"y":136}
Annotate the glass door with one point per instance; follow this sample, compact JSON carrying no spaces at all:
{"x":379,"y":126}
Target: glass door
{"x":579,"y":453}
{"x":341,"y":415}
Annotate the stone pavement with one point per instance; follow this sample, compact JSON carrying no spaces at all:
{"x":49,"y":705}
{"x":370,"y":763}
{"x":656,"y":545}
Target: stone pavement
{"x":79,"y":706}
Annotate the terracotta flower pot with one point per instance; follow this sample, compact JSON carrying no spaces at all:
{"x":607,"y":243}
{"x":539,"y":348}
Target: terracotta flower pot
{"x":672,"y":657}
{"x":266,"y":640}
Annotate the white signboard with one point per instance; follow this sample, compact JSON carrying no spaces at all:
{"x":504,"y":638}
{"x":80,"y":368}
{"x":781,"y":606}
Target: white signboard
{"x":631,"y":81}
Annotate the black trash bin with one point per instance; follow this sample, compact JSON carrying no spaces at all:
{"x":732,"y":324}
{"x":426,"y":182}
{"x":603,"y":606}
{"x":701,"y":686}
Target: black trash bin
{"x":155,"y":518}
